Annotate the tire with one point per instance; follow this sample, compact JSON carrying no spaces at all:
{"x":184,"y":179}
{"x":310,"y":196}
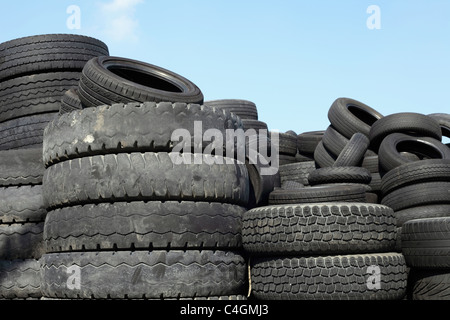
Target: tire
{"x":131,"y":127}
{"x":244,"y":109}
{"x":420,"y":194}
{"x":307,"y":141}
{"x":426,"y":147}
{"x":145,"y":176}
{"x":298,"y":171}
{"x":349,"y":116}
{"x":21,"y":167}
{"x":432,"y":170}
{"x":284,"y":159}
{"x":39,"y":93}
{"x":292,"y":185}
{"x":339,"y":175}
{"x":319,"y":229}
{"x":139,"y":225}
{"x":323,"y":157}
{"x":108,"y":80}
{"x":47,"y":53}
{"x":422,"y":212}
{"x":21,"y":241}
{"x":318,"y":194}
{"x":70,"y":101}
{"x":261,"y":184}
{"x":404,"y":122}
{"x":22,"y":204}
{"x":144,"y":274}
{"x":444,"y":122}
{"x":346,"y":277}
{"x":287,"y":144}
{"x":425,"y":243}
{"x":336,"y":142}
{"x":254,"y":124}
{"x":429,"y":284}
{"x":20,"y":279}
{"x":24,"y":133}
{"x":353,"y":153}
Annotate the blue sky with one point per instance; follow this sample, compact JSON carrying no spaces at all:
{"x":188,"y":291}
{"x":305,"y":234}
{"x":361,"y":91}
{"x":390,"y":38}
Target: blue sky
{"x":292,"y":58}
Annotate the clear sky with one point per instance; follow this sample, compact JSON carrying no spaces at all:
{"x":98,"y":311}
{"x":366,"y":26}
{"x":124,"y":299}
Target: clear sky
{"x":292,"y":58}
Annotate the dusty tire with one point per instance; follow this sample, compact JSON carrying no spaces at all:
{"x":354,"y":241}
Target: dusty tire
{"x":21,"y":241}
{"x":145,"y":176}
{"x":20,"y":279}
{"x":139,"y":225}
{"x":21,"y":167}
{"x":22,"y":204}
{"x":143,"y":274}
{"x":70,"y":101}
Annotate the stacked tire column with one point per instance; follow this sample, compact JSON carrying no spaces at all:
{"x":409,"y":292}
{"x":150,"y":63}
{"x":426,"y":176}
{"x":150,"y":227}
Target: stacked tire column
{"x":129,"y":219}
{"x":34,"y":74}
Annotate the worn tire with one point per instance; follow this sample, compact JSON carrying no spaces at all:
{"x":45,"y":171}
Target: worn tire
{"x":298,"y":171}
{"x":108,"y":80}
{"x":422,"y":212}
{"x":22,"y":204}
{"x":145,"y":176}
{"x":21,"y":241}
{"x":431,"y":285}
{"x":349,"y":116}
{"x":131,"y":127}
{"x":244,"y":109}
{"x":344,"y":277}
{"x":70,"y":101}
{"x":144,"y":274}
{"x":319,"y":229}
{"x":20,"y":279}
{"x":144,"y":225}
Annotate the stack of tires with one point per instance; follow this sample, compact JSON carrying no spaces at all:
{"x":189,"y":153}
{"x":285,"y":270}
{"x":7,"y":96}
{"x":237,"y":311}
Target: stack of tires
{"x":128,"y":217}
{"x":349,"y":117}
{"x":34,"y":74}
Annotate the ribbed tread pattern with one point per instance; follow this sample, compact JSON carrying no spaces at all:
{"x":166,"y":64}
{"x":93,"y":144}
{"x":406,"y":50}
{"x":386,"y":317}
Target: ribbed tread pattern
{"x":21,"y":241}
{"x":22,"y":204}
{"x":20,"y":279}
{"x":21,"y":167}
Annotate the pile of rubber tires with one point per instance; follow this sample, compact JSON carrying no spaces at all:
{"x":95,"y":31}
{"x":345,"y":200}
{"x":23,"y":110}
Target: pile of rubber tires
{"x":35,"y":72}
{"x":107,"y":192}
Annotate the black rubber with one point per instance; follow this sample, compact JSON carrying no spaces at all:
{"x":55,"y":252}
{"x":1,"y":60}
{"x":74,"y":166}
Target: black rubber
{"x":323,"y":157}
{"x":21,"y":167}
{"x":144,"y":225}
{"x":404,"y":122}
{"x":244,"y":109}
{"x":339,"y":175}
{"x":344,"y":277}
{"x":22,"y":204}
{"x":444,"y":122}
{"x":420,"y":194}
{"x":157,"y":274}
{"x":319,"y":229}
{"x":145,"y":176}
{"x":34,"y":94}
{"x":349,"y":116}
{"x":431,"y":285}
{"x":21,"y":241}
{"x":353,"y":153}
{"x":390,"y":155}
{"x":298,"y":171}
{"x":416,"y":172}
{"x":308,"y":141}
{"x":287,"y":144}
{"x":426,"y":242}
{"x":422,"y":212}
{"x":317,"y":194}
{"x":108,"y":80}
{"x":20,"y":279}
{"x":70,"y":101}
{"x":47,"y":53}
{"x":132,"y":127}
{"x":26,"y":132}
